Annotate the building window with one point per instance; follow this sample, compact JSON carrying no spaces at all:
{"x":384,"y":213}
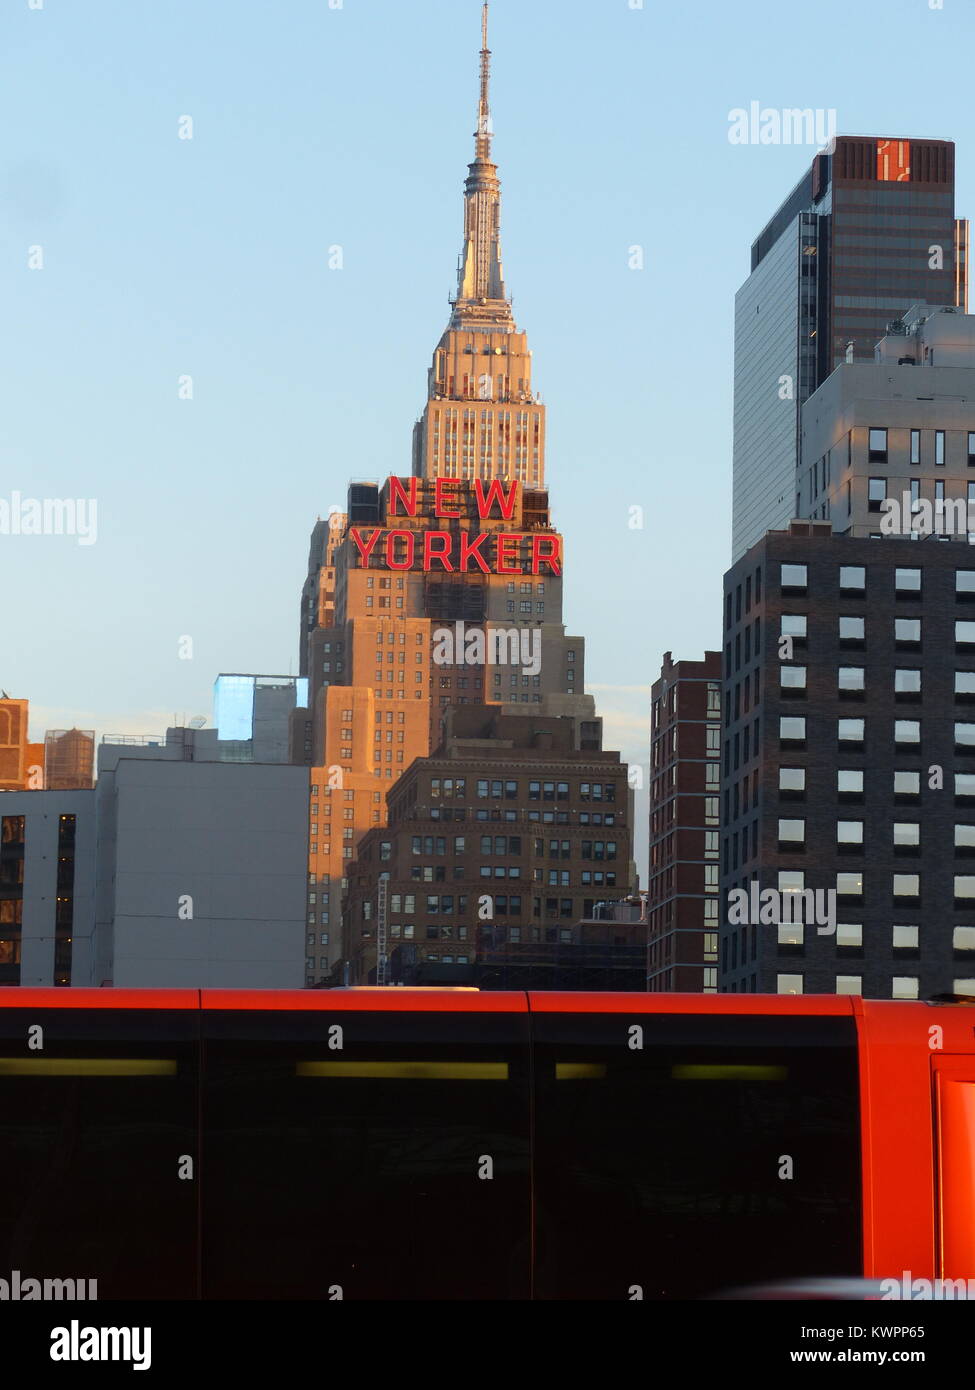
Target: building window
{"x":850,"y":732}
{"x":907,"y":786}
{"x":792,"y":834}
{"x":849,"y":885}
{"x":853,"y":579}
{"x":849,"y":984}
{"x":904,"y":987}
{"x":790,"y":933}
{"x":907,"y":835}
{"x":849,"y":935}
{"x":965,"y":840}
{"x":915,"y":446}
{"x":964,"y":890}
{"x":876,"y":493}
{"x":849,"y":784}
{"x":939,"y":448}
{"x":877,"y":446}
{"x":907,"y":731}
{"x":907,"y":683}
{"x":852,"y":631}
{"x":851,"y":680}
{"x":793,"y":679}
{"x":792,"y":731}
{"x":904,"y":938}
{"x":788,"y":984}
{"x":792,"y":780}
{"x":793,"y":579}
{"x":907,"y":581}
{"x":791,"y":881}
{"x":849,"y":835}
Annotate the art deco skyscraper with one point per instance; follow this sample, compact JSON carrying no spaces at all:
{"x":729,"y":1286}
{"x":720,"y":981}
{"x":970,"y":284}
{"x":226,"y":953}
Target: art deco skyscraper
{"x":482,"y":419}
{"x":467,"y":539}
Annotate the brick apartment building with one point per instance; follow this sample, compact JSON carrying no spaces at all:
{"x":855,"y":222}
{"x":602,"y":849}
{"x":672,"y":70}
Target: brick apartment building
{"x":685,"y":771}
{"x":511,"y":835}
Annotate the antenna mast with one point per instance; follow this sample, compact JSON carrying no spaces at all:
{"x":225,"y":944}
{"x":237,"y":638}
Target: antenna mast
{"x":483,"y":108}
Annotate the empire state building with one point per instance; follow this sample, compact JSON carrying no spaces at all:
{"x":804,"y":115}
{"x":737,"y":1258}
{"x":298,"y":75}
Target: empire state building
{"x":463,"y":545}
{"x":482,"y":419}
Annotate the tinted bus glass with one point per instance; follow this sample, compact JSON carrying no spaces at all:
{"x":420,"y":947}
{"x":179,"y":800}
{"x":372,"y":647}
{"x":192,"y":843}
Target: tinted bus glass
{"x":93,"y":1128}
{"x":362,"y":1170}
{"x":723,"y":1152}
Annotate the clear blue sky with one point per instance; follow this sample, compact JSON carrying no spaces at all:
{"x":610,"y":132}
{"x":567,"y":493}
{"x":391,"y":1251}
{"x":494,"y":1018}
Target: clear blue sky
{"x":315,"y":126}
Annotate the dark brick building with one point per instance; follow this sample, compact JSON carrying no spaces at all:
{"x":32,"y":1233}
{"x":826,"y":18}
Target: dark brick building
{"x":685,"y":769}
{"x":507,"y":840}
{"x":848,"y":762}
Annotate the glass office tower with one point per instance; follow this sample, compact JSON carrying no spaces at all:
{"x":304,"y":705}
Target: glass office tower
{"x":867,"y":232}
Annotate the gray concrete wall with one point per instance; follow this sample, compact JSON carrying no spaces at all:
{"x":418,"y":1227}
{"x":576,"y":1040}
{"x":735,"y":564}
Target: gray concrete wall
{"x":272,"y":706}
{"x":224,"y":842}
{"x":859,"y":396}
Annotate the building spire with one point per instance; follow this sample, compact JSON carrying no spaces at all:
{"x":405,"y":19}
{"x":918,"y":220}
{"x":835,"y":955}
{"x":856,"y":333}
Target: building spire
{"x":482,"y":137}
{"x":481,"y":299}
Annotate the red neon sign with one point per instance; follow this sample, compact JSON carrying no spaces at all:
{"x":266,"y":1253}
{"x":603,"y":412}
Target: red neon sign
{"x":426,"y":550}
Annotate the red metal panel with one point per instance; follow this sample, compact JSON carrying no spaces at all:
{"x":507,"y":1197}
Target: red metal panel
{"x":394,"y":1000}
{"x":954,"y":1079}
{"x":898,"y":1042}
{"x":569,"y":1002}
{"x":69,"y":998}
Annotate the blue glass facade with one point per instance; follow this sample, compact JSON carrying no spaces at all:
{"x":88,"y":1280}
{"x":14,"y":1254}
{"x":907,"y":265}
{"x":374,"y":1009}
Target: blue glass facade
{"x":766,"y":386}
{"x":233,"y":707}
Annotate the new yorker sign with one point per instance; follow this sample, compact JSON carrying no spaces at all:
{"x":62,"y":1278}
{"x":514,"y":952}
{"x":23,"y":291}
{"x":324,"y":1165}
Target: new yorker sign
{"x":490,"y":552}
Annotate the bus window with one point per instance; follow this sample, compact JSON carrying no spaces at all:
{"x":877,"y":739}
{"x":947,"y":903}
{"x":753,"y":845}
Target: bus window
{"x":392,"y":1166}
{"x":716,"y":1152}
{"x":94,"y":1127}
